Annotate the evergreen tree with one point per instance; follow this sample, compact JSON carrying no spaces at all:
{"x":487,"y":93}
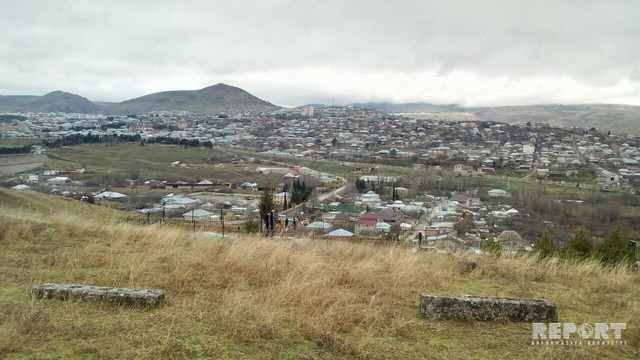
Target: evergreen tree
{"x":300,"y":192}
{"x":491,"y":246}
{"x":361,"y":185}
{"x":266,"y":203}
{"x":615,"y":249}
{"x":579,"y":246}
{"x":545,"y":247}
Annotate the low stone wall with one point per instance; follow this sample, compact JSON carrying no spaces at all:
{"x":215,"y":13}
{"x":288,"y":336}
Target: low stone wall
{"x":486,"y":309}
{"x":121,"y":296}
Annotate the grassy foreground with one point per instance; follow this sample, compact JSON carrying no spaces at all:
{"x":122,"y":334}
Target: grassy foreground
{"x":272,"y":299}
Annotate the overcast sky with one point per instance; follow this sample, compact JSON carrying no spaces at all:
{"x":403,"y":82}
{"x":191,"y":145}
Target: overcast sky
{"x":295,"y":52}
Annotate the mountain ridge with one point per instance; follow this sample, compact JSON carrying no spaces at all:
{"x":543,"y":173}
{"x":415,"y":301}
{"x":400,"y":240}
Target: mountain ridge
{"x":216,"y":98}
{"x":616,"y":117}
{"x":211,"y":99}
{"x":226,"y":98}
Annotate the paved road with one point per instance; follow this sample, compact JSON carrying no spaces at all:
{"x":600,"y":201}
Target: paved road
{"x":424,"y":221}
{"x":334,"y":193}
{"x":318,"y":198}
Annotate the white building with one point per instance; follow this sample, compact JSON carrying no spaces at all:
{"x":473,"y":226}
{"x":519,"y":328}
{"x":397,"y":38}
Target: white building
{"x":59,"y":180}
{"x":528,"y":149}
{"x":498,"y":193}
{"x":199,"y":214}
{"x":110,"y":195}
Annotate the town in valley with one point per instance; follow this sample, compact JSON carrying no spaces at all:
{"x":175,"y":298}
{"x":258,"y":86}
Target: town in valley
{"x":336,"y":173}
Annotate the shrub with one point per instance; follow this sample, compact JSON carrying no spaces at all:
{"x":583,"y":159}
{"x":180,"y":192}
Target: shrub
{"x":615,"y":249}
{"x":580,"y":246}
{"x":545,"y":246}
{"x":252,"y":225}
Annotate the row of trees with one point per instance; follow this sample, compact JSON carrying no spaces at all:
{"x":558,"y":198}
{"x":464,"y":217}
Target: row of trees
{"x":178,"y":141}
{"x":24,"y":149}
{"x":300,"y":192}
{"x":379,"y":187}
{"x":76,"y":139}
{"x":613,"y":250}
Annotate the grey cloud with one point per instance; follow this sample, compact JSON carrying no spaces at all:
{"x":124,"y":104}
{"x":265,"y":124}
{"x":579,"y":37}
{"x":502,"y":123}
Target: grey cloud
{"x":117,"y":49}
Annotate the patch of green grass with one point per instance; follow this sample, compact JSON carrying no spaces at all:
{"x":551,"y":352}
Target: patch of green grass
{"x":18,"y":142}
{"x":108,"y":163}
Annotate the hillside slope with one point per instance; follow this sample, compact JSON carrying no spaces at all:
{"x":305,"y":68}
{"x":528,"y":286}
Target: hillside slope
{"x":212,"y":99}
{"x":14,"y":103}
{"x":618,"y":118}
{"x":419,"y":107}
{"x":60,"y":101}
{"x":252,"y":297}
{"x":56,"y":101}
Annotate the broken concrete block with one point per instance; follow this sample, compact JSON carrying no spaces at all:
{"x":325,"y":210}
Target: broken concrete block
{"x":486,"y":308}
{"x":122,"y":296}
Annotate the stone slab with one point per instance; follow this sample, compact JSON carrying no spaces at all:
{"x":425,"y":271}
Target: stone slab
{"x":487,"y":308}
{"x":122,"y":296}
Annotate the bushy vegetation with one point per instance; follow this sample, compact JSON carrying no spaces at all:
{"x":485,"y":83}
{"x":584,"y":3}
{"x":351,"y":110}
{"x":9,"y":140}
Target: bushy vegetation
{"x":17,"y":149}
{"x":580,"y":246}
{"x":300,"y":192}
{"x":614,"y":250}
{"x":545,"y":246}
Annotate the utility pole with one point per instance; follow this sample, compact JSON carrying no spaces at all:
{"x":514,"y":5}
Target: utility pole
{"x":322,"y":220}
{"x":163,"y":213}
{"x":222,"y":220}
{"x":193,"y":219}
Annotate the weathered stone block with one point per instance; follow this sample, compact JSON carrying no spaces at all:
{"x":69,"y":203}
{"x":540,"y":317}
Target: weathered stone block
{"x":487,"y":308}
{"x":122,"y":296}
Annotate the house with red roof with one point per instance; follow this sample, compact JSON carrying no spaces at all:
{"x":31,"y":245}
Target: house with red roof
{"x":366,"y":225}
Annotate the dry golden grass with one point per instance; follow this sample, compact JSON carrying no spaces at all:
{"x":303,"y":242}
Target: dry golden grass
{"x":252,"y":297}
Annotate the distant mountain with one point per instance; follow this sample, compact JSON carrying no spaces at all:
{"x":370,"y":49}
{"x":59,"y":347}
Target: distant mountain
{"x":14,"y":103}
{"x":409,"y":107}
{"x":618,"y":118}
{"x":57,"y":101}
{"x":60,"y":101}
{"x":226,"y":98}
{"x":212,"y":99}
